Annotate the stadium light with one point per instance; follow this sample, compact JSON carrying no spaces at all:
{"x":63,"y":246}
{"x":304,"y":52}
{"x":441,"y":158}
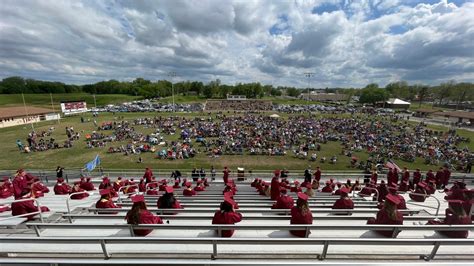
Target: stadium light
{"x":309,"y":75}
{"x":172,"y":75}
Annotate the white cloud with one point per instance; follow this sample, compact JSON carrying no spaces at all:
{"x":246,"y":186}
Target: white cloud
{"x":238,"y":41}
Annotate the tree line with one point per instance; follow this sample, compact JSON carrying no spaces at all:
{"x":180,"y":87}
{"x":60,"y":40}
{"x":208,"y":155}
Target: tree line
{"x":372,"y":93}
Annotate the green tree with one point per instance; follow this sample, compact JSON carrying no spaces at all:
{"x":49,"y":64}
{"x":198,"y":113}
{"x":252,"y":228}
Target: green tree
{"x":372,"y":94}
{"x":293,"y":92}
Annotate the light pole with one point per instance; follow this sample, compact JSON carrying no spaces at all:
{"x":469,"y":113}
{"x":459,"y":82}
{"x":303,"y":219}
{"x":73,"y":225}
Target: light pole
{"x":172,"y":75}
{"x":309,"y":75}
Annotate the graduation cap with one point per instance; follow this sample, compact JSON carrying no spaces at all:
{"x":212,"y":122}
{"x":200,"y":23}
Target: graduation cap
{"x":137,"y":198}
{"x":103,"y":192}
{"x":77,"y":183}
{"x":188,"y":184}
{"x":302,"y":196}
{"x":344,"y":190}
{"x":422,"y":184}
{"x":60,"y":179}
{"x":283,"y":190}
{"x":169,"y":189}
{"x":392,"y":199}
{"x":296,"y":182}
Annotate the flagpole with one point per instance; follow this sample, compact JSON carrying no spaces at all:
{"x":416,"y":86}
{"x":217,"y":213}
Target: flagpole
{"x":52,"y":105}
{"x":26,"y":111}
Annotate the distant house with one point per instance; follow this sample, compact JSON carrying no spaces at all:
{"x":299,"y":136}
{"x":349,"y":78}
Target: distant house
{"x":14,"y":116}
{"x":396,"y":103}
{"x":236,"y":97}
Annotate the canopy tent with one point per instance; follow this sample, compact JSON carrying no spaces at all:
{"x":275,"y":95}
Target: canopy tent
{"x":274,"y":116}
{"x":396,"y":103}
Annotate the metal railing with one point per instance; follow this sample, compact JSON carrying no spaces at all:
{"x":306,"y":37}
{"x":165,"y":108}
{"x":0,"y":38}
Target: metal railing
{"x":426,"y":196}
{"x":214,"y":242}
{"x":121,"y":189}
{"x":38,"y":205}
{"x":253,"y":210}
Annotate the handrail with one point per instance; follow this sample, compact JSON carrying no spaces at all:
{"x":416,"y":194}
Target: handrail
{"x":255,"y":205}
{"x":253,"y":210}
{"x":72,"y":194}
{"x":427,"y":196}
{"x":373,"y":189}
{"x":219,"y":227}
{"x":123,"y":188}
{"x":209,"y":217}
{"x":38,"y":205}
{"x":214,"y":241}
{"x":147,"y":185}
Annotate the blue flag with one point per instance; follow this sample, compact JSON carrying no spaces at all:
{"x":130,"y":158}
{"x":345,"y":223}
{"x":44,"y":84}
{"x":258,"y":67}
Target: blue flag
{"x":93,"y":164}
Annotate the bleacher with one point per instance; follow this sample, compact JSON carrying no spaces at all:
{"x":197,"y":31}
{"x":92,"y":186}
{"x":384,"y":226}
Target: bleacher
{"x":79,"y":234}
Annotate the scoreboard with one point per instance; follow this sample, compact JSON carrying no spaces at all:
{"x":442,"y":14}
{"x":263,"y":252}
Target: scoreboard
{"x":76,"y":107}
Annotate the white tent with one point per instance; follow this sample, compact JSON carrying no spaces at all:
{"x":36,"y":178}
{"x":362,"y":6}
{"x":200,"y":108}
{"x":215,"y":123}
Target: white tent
{"x":274,"y":116}
{"x":396,"y":103}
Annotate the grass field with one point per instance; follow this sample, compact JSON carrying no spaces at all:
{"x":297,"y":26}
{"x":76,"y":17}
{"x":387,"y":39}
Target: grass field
{"x":11,"y":158}
{"x":44,"y":100}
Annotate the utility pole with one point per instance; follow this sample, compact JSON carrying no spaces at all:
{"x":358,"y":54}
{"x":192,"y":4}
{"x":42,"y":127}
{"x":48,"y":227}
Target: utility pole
{"x":52,"y":104}
{"x":172,"y":74}
{"x":26,"y":112}
{"x":95,"y":103}
{"x":309,"y":75}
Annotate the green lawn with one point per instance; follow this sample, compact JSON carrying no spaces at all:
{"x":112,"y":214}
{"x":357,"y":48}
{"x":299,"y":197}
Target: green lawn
{"x":11,"y":158}
{"x":44,"y":100}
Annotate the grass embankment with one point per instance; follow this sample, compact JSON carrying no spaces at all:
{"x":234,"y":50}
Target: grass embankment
{"x":11,"y":158}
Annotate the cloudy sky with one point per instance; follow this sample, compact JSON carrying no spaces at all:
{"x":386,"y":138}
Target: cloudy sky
{"x":344,"y":42}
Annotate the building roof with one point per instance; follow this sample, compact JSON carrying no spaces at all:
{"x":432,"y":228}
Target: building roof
{"x":459,"y":114}
{"x":19,"y":111}
{"x":396,"y":101}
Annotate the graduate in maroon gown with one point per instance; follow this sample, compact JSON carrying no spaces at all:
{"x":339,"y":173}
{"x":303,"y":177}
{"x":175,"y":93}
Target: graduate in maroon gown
{"x":301,"y":214}
{"x":374,"y":176}
{"x":87,"y":185}
{"x":446,"y":176}
{"x":383,"y":191}
{"x":176,"y":184}
{"x":6,"y":188}
{"x":430,"y":176}
{"x":439,"y":177}
{"x":118,"y":184}
{"x":105,"y":202}
{"x":199,"y":186}
{"x":406,"y":175}
{"x":416,"y":178}
{"x":455,"y":214}
{"x":391,"y":176}
{"x":327,"y":188}
{"x":345,"y":202}
{"x":77,"y":188}
{"x":142,"y":185}
{"x":24,"y":207}
{"x":168,"y":201}
{"x":420,"y":189}
{"x":61,"y":188}
{"x":275,"y":188}
{"x":38,"y":188}
{"x":20,"y":184}
{"x":188,"y":191}
{"x":317,"y":174}
{"x":388,"y":215}
{"x":431,"y":187}
{"x":227,"y":215}
{"x":148,"y":175}
{"x":456,"y":192}
{"x":139,"y":214}
{"x":404,"y":186}
{"x":393,"y":191}
{"x":226,"y":175}
{"x":468,"y":203}
{"x":163,"y":185}
{"x":105,"y":183}
{"x":284,"y":201}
